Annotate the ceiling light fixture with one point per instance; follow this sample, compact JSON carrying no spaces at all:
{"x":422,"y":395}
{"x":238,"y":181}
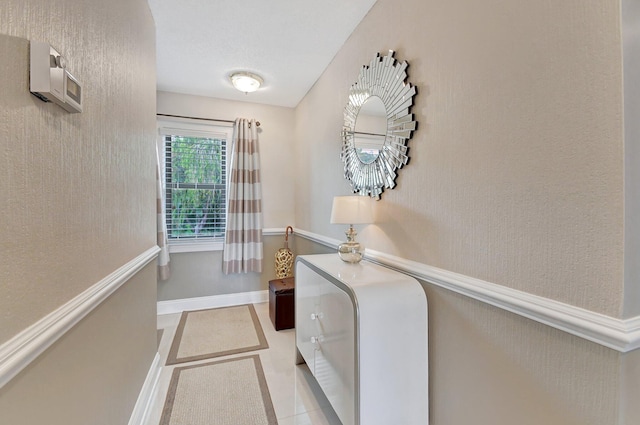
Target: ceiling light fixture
{"x":246,"y":82}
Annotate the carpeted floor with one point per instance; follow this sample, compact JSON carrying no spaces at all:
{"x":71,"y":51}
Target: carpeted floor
{"x":224,"y":392}
{"x":228,"y":391}
{"x":295,"y":395}
{"x":206,"y":334}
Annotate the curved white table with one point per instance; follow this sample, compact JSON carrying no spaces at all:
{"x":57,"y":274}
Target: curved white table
{"x":362,"y":330}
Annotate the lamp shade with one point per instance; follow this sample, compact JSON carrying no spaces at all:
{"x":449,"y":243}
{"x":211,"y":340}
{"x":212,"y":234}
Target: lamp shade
{"x":354,"y":209}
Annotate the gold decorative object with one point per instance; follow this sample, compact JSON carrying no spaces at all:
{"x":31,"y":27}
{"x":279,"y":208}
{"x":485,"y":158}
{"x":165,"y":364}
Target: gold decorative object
{"x":284,"y":258}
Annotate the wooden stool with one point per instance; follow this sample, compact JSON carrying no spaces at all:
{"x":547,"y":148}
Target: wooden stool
{"x":281,"y":303}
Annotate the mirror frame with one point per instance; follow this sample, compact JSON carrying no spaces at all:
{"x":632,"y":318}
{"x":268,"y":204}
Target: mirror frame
{"x":383,"y":77}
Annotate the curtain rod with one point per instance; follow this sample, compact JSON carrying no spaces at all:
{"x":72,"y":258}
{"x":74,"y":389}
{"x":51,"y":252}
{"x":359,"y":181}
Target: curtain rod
{"x":202,"y":119}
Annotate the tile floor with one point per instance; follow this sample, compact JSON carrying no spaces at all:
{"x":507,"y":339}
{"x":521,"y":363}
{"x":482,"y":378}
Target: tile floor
{"x":296,"y":397}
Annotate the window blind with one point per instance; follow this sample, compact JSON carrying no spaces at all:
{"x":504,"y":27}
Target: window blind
{"x":195,"y":173}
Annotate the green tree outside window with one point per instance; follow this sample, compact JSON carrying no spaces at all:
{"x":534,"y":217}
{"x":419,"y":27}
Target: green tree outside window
{"x":196,"y":187}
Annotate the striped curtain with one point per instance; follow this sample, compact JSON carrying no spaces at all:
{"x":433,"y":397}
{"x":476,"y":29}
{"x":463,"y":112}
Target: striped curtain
{"x":243,"y":239}
{"x":164,"y":272}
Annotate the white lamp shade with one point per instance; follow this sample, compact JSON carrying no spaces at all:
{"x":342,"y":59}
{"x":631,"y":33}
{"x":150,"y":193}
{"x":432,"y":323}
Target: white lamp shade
{"x":353,"y":209}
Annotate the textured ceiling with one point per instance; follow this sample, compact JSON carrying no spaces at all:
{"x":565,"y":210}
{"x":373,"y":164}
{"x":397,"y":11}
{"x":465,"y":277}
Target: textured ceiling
{"x":288,"y":42}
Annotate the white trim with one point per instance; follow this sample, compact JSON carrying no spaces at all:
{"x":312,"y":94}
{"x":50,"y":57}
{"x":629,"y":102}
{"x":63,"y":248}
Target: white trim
{"x":322,"y":240}
{"x":214,"y":301}
{"x":22,"y":349}
{"x":144,"y":404}
{"x":619,"y":334}
{"x":202,"y":245}
{"x":274,"y":231}
{"x":180,"y":246}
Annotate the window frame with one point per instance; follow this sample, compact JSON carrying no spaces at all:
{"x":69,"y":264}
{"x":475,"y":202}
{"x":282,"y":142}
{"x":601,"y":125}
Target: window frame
{"x":192,"y":128}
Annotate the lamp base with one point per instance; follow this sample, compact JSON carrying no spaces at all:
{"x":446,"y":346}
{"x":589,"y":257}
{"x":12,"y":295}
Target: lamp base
{"x":351,"y":251}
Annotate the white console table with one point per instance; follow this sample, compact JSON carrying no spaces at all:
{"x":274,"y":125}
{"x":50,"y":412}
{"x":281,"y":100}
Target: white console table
{"x":362,"y":330}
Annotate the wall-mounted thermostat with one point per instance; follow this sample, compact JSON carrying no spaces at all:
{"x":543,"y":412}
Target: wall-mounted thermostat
{"x":49,"y":79}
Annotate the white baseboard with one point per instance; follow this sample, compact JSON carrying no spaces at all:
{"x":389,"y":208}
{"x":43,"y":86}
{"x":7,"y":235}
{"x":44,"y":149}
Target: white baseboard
{"x":214,"y":301}
{"x":22,"y":349}
{"x":144,"y":403}
{"x":622,"y":335}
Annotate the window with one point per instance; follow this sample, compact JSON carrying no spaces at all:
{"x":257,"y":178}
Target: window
{"x":195,"y":171}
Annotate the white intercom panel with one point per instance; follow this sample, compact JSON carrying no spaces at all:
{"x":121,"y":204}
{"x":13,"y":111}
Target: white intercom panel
{"x":49,"y":79}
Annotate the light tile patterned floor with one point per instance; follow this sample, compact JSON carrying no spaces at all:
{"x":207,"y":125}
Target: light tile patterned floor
{"x":296,"y":397}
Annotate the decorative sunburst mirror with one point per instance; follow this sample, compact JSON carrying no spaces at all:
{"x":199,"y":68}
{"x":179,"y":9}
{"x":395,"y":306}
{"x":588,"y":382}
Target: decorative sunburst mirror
{"x":377,"y":126}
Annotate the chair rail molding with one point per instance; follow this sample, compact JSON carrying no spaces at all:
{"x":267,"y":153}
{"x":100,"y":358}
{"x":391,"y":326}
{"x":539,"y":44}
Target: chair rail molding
{"x":622,"y":335}
{"x":22,"y":349}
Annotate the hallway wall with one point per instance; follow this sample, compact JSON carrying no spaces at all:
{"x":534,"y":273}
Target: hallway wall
{"x":516,"y":169}
{"x":199,"y":274}
{"x":78,"y":195}
{"x":516,"y":177}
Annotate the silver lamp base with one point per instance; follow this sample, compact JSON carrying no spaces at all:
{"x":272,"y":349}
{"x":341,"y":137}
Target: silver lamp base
{"x":351,"y":251}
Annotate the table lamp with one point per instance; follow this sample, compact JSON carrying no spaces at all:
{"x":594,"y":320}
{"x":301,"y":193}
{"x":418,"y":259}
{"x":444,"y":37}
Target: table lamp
{"x":354,"y":209}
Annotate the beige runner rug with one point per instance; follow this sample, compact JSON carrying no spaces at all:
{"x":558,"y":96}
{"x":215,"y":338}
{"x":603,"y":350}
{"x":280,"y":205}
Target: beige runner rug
{"x":205,"y":334}
{"x":223,"y":392}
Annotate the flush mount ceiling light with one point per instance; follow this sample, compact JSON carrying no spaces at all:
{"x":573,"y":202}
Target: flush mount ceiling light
{"x":246,"y":82}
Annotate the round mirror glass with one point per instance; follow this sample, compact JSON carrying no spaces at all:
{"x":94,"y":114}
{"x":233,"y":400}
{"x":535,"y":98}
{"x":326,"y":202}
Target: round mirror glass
{"x":377,"y":125}
{"x":370,"y":129}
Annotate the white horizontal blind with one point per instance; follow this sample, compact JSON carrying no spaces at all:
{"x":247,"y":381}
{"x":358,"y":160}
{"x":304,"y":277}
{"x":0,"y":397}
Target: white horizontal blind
{"x":195,"y":173}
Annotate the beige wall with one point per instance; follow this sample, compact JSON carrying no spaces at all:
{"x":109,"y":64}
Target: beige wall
{"x":276,"y":141}
{"x":516,"y":169}
{"x":631,"y":50}
{"x":200,"y":274}
{"x":491,"y":367}
{"x":516,"y":177}
{"x":94,"y":373}
{"x":78,"y":203}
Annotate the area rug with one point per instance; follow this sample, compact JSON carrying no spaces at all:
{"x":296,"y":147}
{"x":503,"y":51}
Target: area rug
{"x":205,"y":334}
{"x":223,"y":392}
